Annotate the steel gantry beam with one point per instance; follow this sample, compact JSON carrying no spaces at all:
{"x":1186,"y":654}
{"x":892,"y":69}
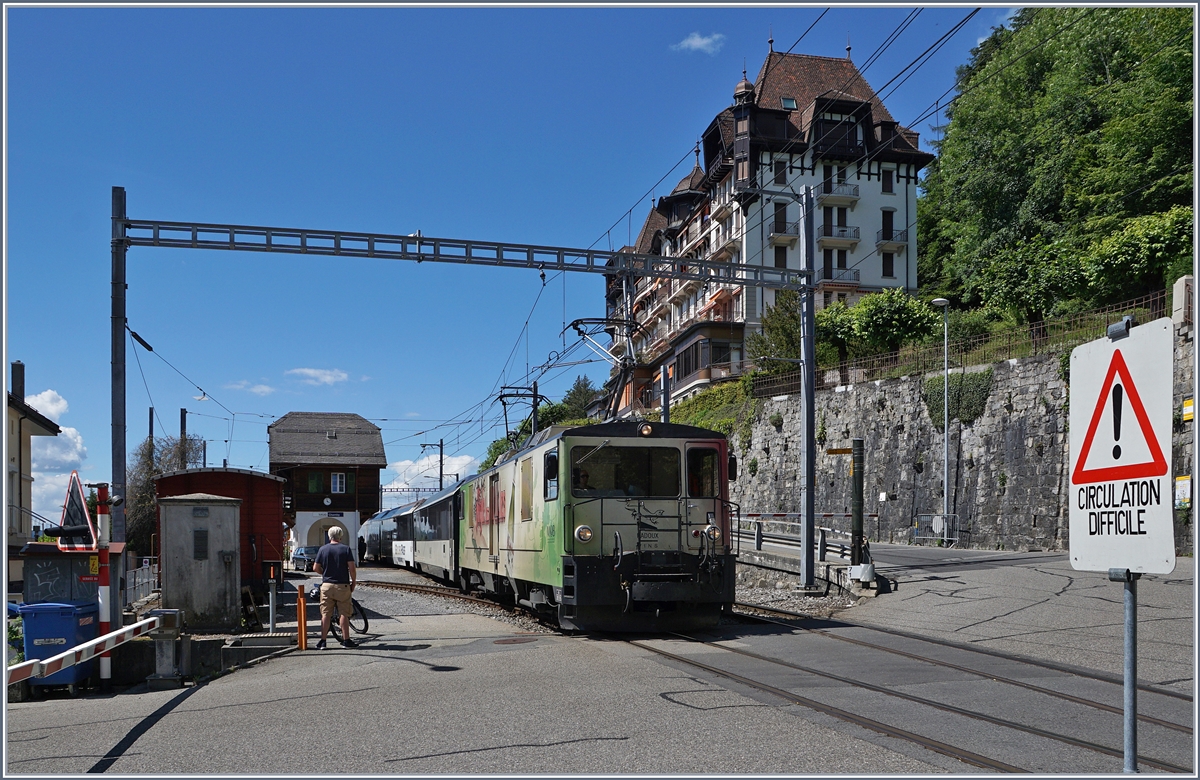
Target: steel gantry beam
{"x":128,"y":232}
{"x":341,"y":243}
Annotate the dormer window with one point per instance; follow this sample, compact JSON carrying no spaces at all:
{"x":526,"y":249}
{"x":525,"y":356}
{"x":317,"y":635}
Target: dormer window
{"x":788,"y":103}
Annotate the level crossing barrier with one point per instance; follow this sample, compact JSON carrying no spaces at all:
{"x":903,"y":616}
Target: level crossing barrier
{"x":84,"y":652}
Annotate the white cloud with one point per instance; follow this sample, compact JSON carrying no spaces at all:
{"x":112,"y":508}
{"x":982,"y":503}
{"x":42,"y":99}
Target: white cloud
{"x":259,"y":389}
{"x":48,"y":403}
{"x":320,"y":376}
{"x":423,"y":472}
{"x":697,"y":42}
{"x":49,"y":492}
{"x":412,"y":414}
{"x":64,"y":452}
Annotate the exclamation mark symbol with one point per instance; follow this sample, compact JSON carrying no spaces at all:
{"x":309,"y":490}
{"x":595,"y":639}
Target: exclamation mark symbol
{"x":1118,"y":392}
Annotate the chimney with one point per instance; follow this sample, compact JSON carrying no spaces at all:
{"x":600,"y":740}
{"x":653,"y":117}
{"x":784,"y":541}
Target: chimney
{"x":18,"y":380}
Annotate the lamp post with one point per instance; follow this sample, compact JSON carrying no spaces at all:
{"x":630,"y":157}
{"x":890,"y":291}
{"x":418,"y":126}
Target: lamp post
{"x":945,"y":306}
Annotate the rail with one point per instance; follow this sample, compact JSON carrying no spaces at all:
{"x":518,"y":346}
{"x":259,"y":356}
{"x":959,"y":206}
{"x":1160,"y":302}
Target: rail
{"x":751,"y":526}
{"x":80,"y":653}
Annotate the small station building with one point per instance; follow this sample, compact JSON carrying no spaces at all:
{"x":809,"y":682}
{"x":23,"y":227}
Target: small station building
{"x":330,"y":462}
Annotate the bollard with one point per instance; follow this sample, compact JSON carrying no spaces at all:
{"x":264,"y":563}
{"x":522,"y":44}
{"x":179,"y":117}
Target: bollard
{"x":758,"y":535}
{"x":271,"y":594}
{"x":301,"y":628}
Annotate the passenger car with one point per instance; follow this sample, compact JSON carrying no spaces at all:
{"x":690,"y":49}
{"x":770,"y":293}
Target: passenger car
{"x":304,"y":558}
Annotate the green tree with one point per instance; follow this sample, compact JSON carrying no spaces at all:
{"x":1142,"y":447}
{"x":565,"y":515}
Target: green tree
{"x":1029,"y":279}
{"x":889,"y":319}
{"x":781,"y":336}
{"x":837,"y":326}
{"x":1147,"y":254}
{"x":1067,"y":125}
{"x":579,"y":397}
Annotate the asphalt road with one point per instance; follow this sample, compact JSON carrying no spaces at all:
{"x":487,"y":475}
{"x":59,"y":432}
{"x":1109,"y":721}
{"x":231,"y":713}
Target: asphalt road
{"x":1036,"y":605}
{"x":436,"y":690}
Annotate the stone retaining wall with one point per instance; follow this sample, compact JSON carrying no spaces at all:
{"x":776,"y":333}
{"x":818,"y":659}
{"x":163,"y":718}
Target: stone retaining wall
{"x":1008,"y":469}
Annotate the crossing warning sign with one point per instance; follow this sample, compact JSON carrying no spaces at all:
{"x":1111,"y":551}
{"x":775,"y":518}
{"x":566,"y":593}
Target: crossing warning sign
{"x":1120,"y":437}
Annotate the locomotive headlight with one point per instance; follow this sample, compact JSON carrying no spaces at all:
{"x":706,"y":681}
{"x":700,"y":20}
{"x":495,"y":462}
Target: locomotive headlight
{"x":713,"y":533}
{"x":645,"y":429}
{"x":583,"y":533}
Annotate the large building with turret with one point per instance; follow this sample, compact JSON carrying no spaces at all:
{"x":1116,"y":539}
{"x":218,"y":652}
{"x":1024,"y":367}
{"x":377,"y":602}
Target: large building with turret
{"x":807,"y":159}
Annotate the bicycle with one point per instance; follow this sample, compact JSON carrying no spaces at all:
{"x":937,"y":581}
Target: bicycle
{"x":358,"y":616}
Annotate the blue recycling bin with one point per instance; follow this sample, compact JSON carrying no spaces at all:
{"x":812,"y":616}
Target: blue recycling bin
{"x":51,"y":629}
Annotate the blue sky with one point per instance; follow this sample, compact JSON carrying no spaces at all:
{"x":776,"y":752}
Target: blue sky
{"x":541,"y":126}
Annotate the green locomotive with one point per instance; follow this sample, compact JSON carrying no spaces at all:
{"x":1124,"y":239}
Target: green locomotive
{"x":620,"y":526}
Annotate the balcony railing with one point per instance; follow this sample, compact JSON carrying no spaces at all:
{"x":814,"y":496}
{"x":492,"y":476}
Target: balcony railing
{"x":837,"y":275}
{"x":891,"y":237}
{"x":841,"y":189}
{"x":838,"y":231}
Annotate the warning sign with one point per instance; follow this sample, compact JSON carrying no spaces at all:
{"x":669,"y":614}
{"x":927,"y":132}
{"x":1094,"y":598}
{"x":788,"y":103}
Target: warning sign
{"x":1121,"y":499}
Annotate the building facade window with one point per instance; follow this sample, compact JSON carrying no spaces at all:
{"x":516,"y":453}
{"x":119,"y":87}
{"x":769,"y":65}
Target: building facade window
{"x":841,"y":258}
{"x":337,"y":482}
{"x":887,"y":180}
{"x":780,"y":218}
{"x":781,"y":257}
{"x":889,"y":265}
{"x":780,"y":172}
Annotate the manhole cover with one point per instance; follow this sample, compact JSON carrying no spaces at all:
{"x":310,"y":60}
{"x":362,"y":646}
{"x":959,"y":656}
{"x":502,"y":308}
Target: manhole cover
{"x":516,"y":640}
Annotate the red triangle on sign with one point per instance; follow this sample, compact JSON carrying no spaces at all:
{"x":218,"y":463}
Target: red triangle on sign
{"x":1155,"y":467}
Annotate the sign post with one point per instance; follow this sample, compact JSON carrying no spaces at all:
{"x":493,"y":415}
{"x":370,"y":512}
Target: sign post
{"x":1120,"y":491}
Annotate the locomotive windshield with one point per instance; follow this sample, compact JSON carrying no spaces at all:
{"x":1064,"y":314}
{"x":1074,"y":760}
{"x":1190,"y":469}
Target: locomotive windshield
{"x":703,"y":473}
{"x":625,"y":471}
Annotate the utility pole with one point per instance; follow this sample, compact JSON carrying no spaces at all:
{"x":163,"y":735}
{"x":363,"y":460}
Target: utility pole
{"x":441,"y":462}
{"x":183,"y":448}
{"x":119,"y":246}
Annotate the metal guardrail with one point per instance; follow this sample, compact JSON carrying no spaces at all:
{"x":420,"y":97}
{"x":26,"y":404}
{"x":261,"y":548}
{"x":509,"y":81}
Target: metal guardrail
{"x":80,"y":653}
{"x":822,"y":543}
{"x":140,"y":583}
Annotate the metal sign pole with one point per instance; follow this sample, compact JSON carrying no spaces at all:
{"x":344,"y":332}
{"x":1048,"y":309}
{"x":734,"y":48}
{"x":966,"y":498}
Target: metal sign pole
{"x":1130,"y":579}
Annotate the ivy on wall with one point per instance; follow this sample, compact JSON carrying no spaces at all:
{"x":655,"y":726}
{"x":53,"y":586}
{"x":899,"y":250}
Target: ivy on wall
{"x":968,"y":396}
{"x":729,"y":407}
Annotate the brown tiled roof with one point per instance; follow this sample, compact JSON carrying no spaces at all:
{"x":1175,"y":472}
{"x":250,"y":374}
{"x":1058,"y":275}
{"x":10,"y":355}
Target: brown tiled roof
{"x":806,"y":77}
{"x":690,"y":182}
{"x":654,"y":223}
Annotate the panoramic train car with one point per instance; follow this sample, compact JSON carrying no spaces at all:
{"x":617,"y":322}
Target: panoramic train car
{"x":432,"y":528}
{"x":368,"y":538}
{"x":620,"y":526}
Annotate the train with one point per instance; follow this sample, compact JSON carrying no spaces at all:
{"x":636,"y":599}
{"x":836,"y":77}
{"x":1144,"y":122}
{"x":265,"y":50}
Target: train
{"x":616,"y":526}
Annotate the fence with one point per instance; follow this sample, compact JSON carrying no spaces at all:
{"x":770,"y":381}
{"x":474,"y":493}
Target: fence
{"x":1041,"y":338}
{"x":939,"y":528}
{"x":141,"y":582}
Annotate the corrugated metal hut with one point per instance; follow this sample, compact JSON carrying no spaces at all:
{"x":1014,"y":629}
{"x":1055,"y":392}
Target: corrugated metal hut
{"x":262,"y":524}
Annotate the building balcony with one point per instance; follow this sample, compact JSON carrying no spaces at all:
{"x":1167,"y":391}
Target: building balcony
{"x":725,"y":248}
{"x":784,"y":233}
{"x":683,"y":288}
{"x":839,"y":194}
{"x":891,"y":240}
{"x":840,"y":277}
{"x":722,"y":210}
{"x":837,"y":237}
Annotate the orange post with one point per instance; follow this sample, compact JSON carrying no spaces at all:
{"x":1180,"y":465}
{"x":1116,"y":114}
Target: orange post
{"x":301,"y":628}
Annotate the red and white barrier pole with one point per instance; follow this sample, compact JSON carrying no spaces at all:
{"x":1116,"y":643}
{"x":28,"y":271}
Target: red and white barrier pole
{"x":102,"y":594}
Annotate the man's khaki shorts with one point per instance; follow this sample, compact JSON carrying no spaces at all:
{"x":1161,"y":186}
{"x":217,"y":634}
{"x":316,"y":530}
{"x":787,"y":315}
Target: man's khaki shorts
{"x":335,"y":595}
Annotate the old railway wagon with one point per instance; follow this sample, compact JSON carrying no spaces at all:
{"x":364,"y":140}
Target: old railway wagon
{"x":620,"y":526}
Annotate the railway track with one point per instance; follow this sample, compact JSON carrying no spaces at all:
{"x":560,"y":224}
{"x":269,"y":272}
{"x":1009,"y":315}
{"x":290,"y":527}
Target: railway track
{"x":1032,"y":726}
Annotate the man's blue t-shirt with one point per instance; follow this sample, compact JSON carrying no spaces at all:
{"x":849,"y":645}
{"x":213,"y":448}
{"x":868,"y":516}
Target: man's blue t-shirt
{"x":334,"y":560}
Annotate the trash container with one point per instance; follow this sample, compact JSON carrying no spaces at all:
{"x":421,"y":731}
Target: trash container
{"x":51,"y":629}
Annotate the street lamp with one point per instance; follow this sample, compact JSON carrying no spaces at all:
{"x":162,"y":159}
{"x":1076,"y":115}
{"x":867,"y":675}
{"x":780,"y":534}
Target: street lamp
{"x":945,"y":306}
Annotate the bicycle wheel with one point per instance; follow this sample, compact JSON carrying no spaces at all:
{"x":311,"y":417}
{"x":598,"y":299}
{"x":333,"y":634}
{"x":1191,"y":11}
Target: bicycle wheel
{"x":358,"y":618}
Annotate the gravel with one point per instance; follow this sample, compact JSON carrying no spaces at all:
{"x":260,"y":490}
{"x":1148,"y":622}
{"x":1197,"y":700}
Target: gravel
{"x":813,"y":606}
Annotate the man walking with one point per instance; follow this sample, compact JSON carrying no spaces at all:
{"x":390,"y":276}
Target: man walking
{"x":335,"y":564}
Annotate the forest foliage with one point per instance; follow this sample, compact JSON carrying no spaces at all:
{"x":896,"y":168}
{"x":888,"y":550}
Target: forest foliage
{"x":1064,"y":178}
